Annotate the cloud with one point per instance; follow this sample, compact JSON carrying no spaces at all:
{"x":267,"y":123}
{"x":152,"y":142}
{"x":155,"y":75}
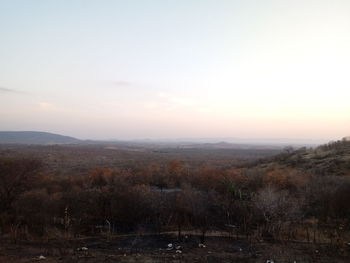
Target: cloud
{"x":121,"y":83}
{"x":7,"y":90}
{"x":176,"y":100}
{"x":46,"y":106}
{"x":167,"y":102}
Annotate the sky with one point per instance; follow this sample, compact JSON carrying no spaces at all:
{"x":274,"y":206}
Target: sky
{"x":173,"y":69}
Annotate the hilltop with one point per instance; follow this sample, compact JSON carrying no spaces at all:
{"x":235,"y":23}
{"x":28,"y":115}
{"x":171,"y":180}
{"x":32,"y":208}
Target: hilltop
{"x":34,"y":137}
{"x":332,"y":158}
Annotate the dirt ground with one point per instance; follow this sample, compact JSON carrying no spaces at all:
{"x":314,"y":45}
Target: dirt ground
{"x":154,"y":248}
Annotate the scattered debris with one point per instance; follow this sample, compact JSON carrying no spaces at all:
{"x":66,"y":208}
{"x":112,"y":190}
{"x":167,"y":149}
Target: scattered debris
{"x":178,"y":251}
{"x":82,"y":249}
{"x":270,"y":261}
{"x":41,"y":257}
{"x":201,"y":245}
{"x":178,"y":247}
{"x":170,"y":246}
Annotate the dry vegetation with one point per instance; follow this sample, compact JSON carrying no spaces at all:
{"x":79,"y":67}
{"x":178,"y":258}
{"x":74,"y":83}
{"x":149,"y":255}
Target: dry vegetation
{"x":127,"y":204}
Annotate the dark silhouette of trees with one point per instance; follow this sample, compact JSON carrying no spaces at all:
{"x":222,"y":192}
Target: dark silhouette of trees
{"x":16,"y":176}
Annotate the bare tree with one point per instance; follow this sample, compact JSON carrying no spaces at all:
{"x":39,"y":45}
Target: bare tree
{"x":276,"y":208}
{"x":16,"y":176}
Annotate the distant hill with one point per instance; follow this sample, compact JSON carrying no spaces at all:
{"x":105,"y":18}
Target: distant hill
{"x":33,"y":137}
{"x":227,"y":145}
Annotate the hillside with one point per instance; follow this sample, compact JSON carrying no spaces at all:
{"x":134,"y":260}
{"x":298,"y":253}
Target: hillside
{"x":33,"y":137}
{"x":328,"y":159}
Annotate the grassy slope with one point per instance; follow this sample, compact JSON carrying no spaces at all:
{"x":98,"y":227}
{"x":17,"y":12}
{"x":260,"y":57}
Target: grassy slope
{"x":329,"y":159}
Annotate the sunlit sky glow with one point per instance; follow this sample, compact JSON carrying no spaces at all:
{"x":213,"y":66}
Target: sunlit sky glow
{"x":172,"y":69}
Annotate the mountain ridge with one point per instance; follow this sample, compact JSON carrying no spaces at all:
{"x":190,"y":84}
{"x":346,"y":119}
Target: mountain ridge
{"x":35,"y":137}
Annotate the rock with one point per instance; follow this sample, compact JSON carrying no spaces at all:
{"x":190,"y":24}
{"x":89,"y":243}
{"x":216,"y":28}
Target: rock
{"x":170,"y":246}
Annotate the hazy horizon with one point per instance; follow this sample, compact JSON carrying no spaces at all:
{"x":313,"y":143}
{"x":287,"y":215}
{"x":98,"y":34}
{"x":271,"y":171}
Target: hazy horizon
{"x":176,"y":69}
{"x":200,"y":140}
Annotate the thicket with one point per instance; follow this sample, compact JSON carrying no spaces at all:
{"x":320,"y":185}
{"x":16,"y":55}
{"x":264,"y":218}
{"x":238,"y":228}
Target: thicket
{"x":267,"y":202}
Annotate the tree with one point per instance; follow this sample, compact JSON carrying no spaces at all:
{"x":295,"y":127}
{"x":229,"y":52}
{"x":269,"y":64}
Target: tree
{"x":276,"y":208}
{"x":16,"y":176}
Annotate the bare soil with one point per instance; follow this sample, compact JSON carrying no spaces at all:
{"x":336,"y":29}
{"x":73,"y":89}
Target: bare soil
{"x":154,"y":248}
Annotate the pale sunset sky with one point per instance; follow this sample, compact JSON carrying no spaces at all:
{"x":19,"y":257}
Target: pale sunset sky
{"x":130,"y":69}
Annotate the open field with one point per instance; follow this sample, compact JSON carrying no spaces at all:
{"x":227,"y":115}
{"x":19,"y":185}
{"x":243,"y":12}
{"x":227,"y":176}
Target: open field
{"x":80,"y":158}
